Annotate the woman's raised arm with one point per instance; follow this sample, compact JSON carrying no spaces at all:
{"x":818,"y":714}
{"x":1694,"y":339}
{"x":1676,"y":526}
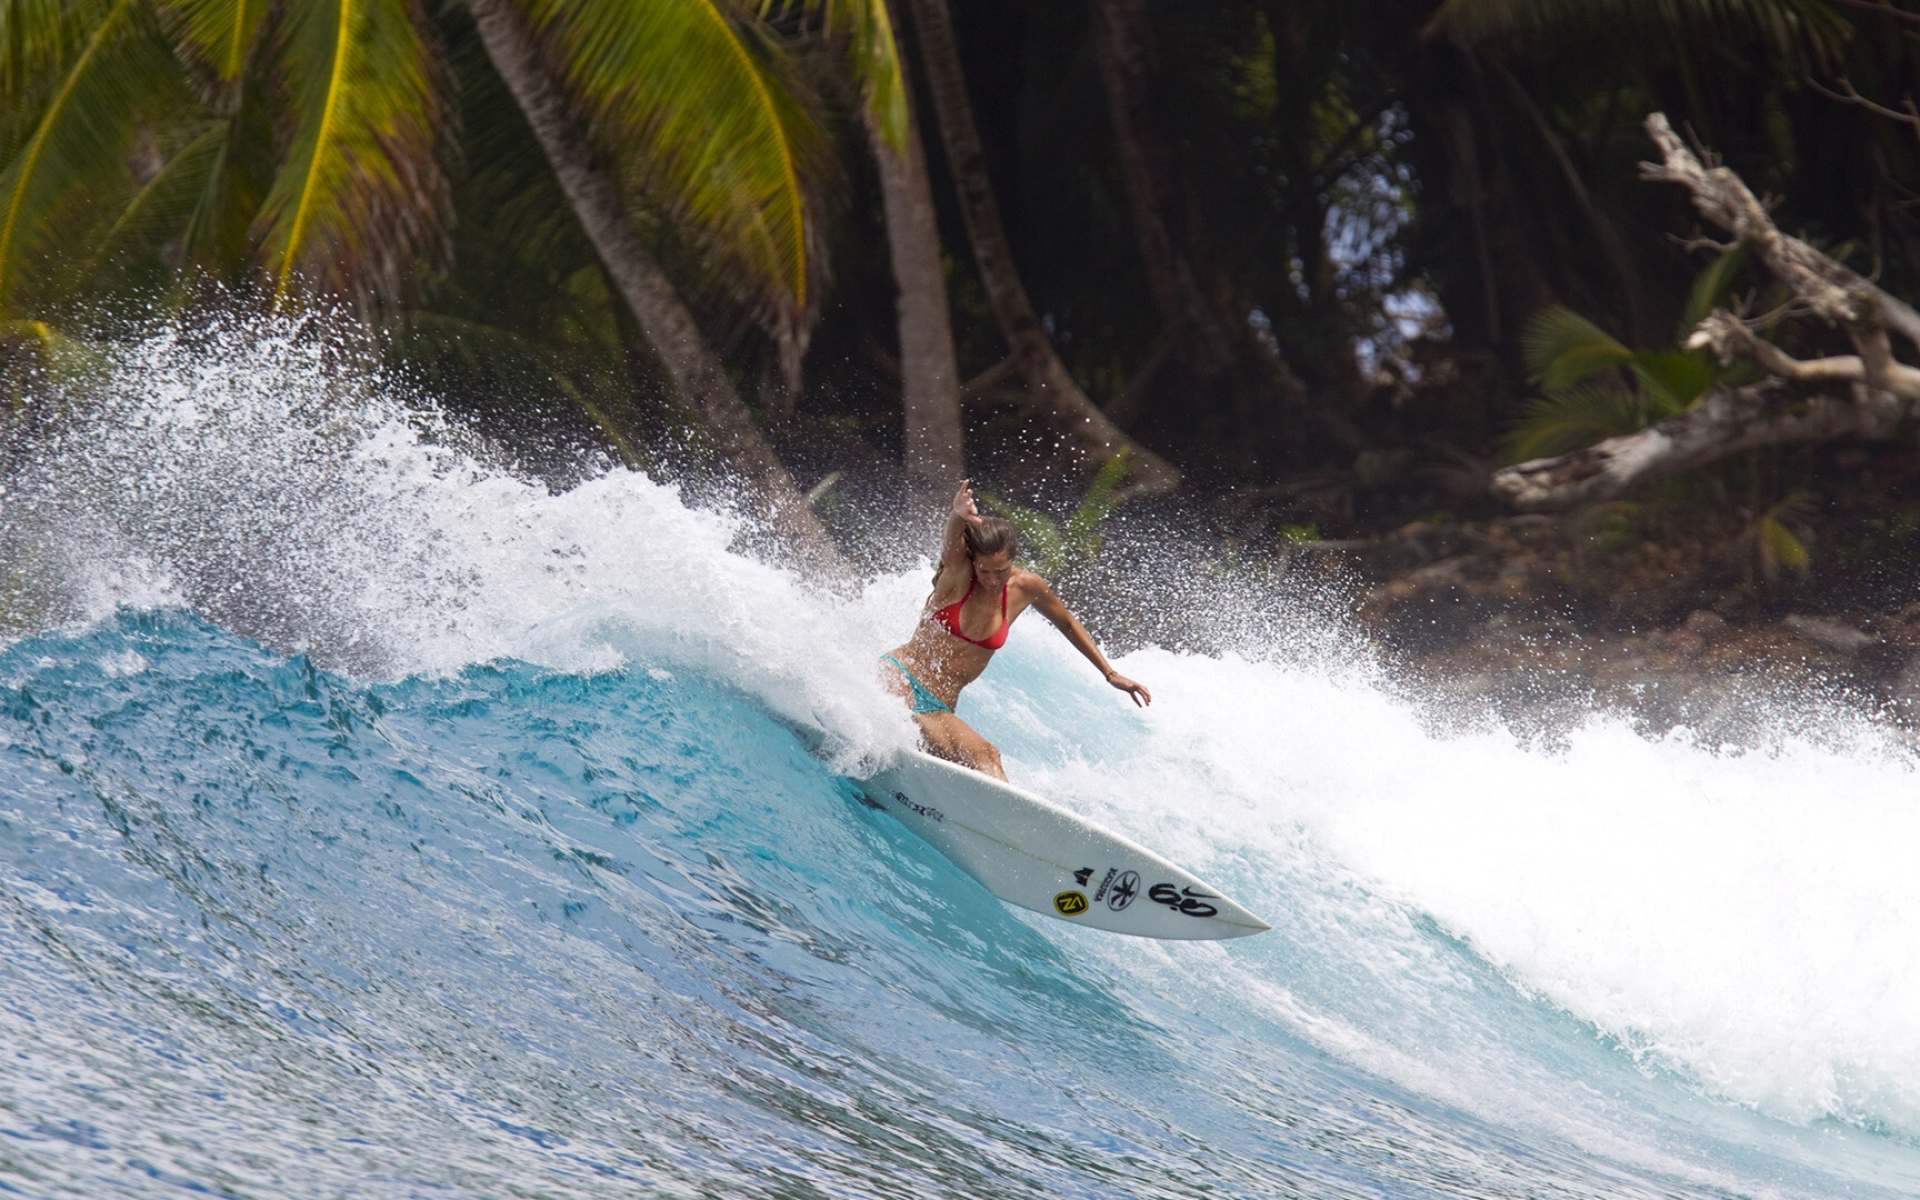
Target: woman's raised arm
{"x":954,"y":563}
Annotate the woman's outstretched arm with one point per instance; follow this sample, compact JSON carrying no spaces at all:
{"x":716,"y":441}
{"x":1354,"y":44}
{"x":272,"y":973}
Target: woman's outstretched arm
{"x":954,"y":564}
{"x":1054,"y":610}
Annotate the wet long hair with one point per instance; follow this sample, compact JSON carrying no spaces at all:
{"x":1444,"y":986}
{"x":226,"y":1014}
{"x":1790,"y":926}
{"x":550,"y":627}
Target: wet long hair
{"x":993,"y":535}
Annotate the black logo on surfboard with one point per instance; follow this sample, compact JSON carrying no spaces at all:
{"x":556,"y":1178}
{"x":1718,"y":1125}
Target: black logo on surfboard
{"x":1082,"y":875}
{"x":926,"y":810}
{"x":1123,"y":891}
{"x":1183,"y":900}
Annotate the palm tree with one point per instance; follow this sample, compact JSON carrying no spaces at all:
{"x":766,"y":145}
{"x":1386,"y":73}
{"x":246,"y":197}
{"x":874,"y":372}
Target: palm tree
{"x":352,"y":196}
{"x":1087,"y":429}
{"x":930,"y":374}
{"x":929,"y":368}
{"x":683,"y":97}
{"x":1190,"y":288}
{"x":599,"y":45}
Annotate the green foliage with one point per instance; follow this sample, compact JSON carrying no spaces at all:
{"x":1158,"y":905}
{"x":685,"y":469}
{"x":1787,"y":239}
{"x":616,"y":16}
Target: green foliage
{"x":75,"y":89}
{"x":218,"y":35}
{"x":313,"y":149}
{"x":1562,"y":348}
{"x":168,"y":202}
{"x":1595,"y":387}
{"x":351,"y":192}
{"x":359,"y":191}
{"x":1569,"y":418}
{"x":706,"y":113}
{"x":1672,"y":380}
{"x":1778,"y":536}
{"x":1712,"y":288}
{"x":308,"y":140}
{"x":873,"y":54}
{"x":1053,"y":549}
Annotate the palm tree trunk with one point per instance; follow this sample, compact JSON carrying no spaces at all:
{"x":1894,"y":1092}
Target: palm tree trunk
{"x":930,"y":375}
{"x":698,"y":378}
{"x":1070,"y":412}
{"x":1166,"y":220}
{"x":1618,"y":255}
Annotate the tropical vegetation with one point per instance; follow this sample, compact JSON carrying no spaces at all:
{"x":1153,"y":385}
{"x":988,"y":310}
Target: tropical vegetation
{"x":1347,"y":258}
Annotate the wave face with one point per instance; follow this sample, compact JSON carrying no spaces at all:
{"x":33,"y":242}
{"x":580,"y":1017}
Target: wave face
{"x":376,"y":822}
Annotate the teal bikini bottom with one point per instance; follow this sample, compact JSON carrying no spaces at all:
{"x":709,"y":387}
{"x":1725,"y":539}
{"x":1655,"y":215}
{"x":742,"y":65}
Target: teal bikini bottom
{"x":924,"y":701}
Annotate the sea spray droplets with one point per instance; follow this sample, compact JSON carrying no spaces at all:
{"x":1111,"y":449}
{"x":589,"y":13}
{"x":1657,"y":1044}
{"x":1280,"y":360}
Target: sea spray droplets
{"x":280,"y":485}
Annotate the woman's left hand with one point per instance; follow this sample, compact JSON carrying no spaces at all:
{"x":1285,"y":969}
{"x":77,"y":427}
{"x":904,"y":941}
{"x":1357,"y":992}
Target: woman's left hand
{"x":1141,"y":696}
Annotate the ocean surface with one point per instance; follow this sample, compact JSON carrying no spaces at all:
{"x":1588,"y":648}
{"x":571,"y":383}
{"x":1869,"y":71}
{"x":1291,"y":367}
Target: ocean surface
{"x":376,"y":821}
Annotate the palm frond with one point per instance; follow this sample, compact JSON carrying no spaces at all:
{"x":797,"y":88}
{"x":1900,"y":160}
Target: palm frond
{"x":1571,"y":418}
{"x":361,"y":193}
{"x":1792,"y":27}
{"x":220,"y":33}
{"x":1562,"y":347}
{"x":217,"y":235}
{"x":72,"y":148}
{"x":873,"y":53}
{"x":1671,"y":379}
{"x":1712,"y":288}
{"x":700,"y":105}
{"x":1101,"y":499}
{"x":169,"y":199}
{"x":40,"y":37}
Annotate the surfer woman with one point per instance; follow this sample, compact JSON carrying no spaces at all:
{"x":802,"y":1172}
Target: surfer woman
{"x":976,"y":591}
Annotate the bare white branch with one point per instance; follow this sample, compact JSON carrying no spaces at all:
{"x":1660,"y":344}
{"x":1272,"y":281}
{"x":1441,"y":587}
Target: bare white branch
{"x":1870,"y":394}
{"x":1834,"y":292}
{"x":1726,"y":421}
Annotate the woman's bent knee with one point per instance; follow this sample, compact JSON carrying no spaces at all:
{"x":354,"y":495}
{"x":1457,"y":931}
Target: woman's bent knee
{"x":984,"y":757}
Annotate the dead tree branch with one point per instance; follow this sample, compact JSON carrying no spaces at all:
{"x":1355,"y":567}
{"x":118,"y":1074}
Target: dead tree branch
{"x":1728,"y":420}
{"x":1869,"y":395}
{"x":1834,"y":292}
{"x":1907,"y":114}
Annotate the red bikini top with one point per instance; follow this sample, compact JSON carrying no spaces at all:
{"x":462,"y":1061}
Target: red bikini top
{"x":948,"y":618}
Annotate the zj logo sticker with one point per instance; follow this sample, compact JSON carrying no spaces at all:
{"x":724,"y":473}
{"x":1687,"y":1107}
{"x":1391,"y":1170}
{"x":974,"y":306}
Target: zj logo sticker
{"x":1070,"y":904}
{"x":1183,"y":900}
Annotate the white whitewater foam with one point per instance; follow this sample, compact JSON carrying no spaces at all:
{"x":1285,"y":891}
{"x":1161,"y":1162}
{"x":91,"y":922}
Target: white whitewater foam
{"x":1749,"y":918}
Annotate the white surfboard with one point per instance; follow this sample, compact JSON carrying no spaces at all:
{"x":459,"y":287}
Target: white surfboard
{"x":1040,"y":856}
